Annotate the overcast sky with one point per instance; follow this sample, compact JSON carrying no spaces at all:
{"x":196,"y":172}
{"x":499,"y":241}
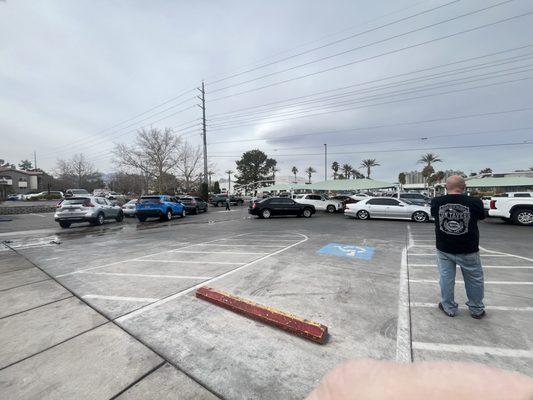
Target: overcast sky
{"x":72,"y":71}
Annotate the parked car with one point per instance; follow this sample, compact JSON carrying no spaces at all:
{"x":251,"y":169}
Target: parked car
{"x":219,"y":200}
{"x":193,"y":205}
{"x":76,"y":192}
{"x":344,"y":199}
{"x":320,"y":202}
{"x":280,"y":206}
{"x":53,"y":194}
{"x":163,"y":207}
{"x":387,"y":207}
{"x":516,"y":209}
{"x":15,"y":197}
{"x":87,"y":209}
{"x":486,"y":202}
{"x":129,"y":208}
{"x":360,"y":196}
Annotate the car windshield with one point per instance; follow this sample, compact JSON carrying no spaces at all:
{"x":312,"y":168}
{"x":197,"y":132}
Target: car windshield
{"x":186,"y":200}
{"x":78,"y":191}
{"x":146,"y":200}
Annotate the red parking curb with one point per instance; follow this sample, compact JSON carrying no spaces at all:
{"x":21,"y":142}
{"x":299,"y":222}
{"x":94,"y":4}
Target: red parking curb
{"x":291,"y":323}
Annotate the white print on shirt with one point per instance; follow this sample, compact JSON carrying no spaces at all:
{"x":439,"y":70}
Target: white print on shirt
{"x":454,"y":218}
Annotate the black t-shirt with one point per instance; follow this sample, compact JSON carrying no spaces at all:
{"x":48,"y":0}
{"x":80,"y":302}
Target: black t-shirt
{"x":456,"y":217}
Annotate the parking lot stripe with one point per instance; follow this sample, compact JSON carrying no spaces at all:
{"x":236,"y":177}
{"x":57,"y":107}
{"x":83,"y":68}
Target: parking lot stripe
{"x":484,"y":266}
{"x":119,"y":298}
{"x":137,"y":258}
{"x":243,"y":245}
{"x":146,"y":275}
{"x":499,"y":308}
{"x":506,"y":254}
{"x":214,"y":252}
{"x":482,"y":255}
{"x":185,"y":261}
{"x":486,"y":282}
{"x":193,"y":288}
{"x":403,"y":329}
{"x":477,"y":350}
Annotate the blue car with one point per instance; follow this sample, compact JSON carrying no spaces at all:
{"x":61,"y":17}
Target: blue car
{"x":159,"y":206}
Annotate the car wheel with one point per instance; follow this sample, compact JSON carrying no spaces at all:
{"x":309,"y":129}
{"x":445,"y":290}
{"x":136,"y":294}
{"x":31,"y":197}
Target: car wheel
{"x":205,"y":209}
{"x":363,"y":214}
{"x":184,"y":213}
{"x":266,"y":213}
{"x":307,"y":213}
{"x":141,"y":219}
{"x":120,"y":217}
{"x":167,"y":216}
{"x":64,"y":225}
{"x":330,"y":209}
{"x":100,"y":219}
{"x":420,"y":216}
{"x":219,"y":204}
{"x":523,"y":217}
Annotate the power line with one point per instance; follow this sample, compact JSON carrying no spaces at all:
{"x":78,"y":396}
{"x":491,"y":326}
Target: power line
{"x":376,"y":56}
{"x":488,"y":64}
{"x":321,"y":154}
{"x":484,"y":76}
{"x":408,"y":123}
{"x":363,"y":46}
{"x":371,"y":105}
{"x":333,"y":42}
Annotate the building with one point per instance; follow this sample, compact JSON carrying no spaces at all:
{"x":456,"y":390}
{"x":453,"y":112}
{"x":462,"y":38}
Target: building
{"x":15,"y":181}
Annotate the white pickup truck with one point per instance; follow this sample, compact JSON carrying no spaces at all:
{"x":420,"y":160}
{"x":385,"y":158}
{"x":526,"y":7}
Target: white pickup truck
{"x":320,"y":202}
{"x":518,"y":210}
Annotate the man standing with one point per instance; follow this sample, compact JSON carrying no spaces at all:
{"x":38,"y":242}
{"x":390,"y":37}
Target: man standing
{"x":228,"y":203}
{"x":457,"y":239}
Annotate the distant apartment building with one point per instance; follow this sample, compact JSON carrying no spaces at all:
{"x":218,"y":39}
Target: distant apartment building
{"x":18,"y":181}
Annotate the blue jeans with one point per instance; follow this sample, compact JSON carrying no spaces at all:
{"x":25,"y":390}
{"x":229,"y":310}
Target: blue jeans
{"x":472,"y":275}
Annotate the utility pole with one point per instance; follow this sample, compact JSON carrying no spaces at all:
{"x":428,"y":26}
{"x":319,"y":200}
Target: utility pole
{"x":325,"y":161}
{"x":34,"y":159}
{"x":204,"y":136}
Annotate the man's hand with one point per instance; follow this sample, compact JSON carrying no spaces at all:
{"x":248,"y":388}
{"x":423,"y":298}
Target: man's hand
{"x":366,"y":379}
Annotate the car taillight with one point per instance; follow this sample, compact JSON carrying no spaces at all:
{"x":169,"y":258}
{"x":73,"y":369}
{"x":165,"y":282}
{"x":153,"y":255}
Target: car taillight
{"x":493,"y":204}
{"x":254,"y":205}
{"x":88,"y":204}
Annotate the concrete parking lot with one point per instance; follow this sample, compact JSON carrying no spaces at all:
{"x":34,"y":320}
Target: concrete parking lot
{"x":98,"y":312}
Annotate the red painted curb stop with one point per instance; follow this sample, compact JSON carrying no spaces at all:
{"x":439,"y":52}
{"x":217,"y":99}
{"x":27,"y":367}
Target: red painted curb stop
{"x":291,"y":323}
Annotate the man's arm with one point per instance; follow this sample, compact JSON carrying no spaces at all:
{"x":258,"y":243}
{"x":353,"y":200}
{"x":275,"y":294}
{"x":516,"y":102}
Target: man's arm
{"x":480,"y":209}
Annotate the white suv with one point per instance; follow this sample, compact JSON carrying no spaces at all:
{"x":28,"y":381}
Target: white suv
{"x":320,"y":202}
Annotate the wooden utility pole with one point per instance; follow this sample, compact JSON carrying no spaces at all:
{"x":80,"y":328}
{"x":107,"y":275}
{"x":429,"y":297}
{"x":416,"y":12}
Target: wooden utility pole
{"x":204,"y":135}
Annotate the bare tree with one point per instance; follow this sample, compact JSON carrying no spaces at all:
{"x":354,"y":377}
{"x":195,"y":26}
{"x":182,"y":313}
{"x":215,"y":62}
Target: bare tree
{"x":154,"y":154}
{"x":78,"y":171}
{"x":188,"y":164}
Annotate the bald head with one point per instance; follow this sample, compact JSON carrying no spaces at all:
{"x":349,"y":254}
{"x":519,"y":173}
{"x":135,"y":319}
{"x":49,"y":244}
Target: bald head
{"x":455,"y":184}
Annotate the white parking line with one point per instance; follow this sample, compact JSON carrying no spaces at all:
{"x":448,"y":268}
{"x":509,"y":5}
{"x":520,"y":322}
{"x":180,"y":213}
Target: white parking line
{"x":138,"y":258}
{"x":119,"y":298}
{"x":266,"y":240}
{"x":39,"y":215}
{"x":403,"y":328}
{"x":506,"y":254}
{"x":188,"y":262}
{"x":215,"y":252}
{"x":146,"y":275}
{"x":486,"y":282}
{"x":216,"y":278}
{"x":499,"y":308}
{"x":482,"y":255}
{"x":477,"y":350}
{"x":484,"y":266}
{"x":244,"y":245}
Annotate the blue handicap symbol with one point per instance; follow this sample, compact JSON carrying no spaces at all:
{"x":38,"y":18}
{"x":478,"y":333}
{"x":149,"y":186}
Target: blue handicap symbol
{"x":348,"y":250}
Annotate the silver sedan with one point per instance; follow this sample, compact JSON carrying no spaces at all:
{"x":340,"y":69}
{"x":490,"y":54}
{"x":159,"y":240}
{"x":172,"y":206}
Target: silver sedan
{"x":387,"y":207}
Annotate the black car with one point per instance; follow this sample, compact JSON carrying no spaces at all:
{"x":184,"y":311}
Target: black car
{"x":280,"y":206}
{"x":193,"y":205}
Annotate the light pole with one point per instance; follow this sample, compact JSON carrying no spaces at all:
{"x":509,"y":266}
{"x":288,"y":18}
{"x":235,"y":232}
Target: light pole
{"x":325,"y":161}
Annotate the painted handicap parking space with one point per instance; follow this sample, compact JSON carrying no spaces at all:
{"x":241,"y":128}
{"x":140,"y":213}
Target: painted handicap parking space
{"x":348,"y":250}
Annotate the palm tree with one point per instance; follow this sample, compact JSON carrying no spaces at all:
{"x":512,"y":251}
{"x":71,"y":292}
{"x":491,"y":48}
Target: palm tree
{"x":347,"y":170}
{"x":294,"y":172}
{"x":310,"y":171}
{"x":335,"y":167}
{"x":369,"y":164}
{"x":402,"y":179}
{"x":429,"y":158}
{"x":229,"y":172}
{"x":357,"y":175}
